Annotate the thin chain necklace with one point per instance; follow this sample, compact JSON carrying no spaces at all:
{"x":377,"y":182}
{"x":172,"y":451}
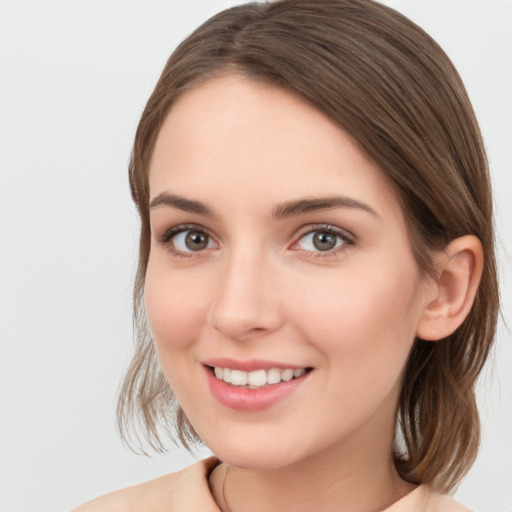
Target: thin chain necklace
{"x":226,"y":506}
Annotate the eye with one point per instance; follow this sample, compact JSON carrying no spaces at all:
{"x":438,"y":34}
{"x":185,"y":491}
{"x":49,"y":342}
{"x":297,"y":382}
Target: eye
{"x":323,"y":240}
{"x":191,"y":241}
{"x":185,"y":240}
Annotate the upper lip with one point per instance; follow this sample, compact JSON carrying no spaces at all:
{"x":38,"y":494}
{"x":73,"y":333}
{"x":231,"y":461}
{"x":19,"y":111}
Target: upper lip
{"x":249,"y":365}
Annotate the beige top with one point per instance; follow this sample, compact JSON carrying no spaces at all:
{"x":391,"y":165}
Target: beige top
{"x":188,"y":491}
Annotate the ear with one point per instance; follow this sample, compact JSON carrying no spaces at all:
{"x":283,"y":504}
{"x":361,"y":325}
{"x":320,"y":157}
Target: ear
{"x":453,"y":292}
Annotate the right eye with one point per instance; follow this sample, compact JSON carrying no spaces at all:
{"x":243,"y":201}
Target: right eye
{"x":183,"y":240}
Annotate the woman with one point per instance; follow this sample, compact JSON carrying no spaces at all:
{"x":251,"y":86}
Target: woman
{"x":316,"y":265}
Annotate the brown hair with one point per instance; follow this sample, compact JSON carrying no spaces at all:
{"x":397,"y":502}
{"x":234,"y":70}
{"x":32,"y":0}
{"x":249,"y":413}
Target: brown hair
{"x":393,"y":89}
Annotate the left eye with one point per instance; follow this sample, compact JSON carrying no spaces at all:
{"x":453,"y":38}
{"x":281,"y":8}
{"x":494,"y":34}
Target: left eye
{"x":191,"y":240}
{"x":322,"y":240}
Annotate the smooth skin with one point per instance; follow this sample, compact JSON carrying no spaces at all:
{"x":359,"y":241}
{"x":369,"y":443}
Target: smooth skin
{"x":236,"y":270}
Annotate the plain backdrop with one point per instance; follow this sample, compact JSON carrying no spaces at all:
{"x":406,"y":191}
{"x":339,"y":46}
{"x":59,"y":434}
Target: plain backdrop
{"x":74,"y":78}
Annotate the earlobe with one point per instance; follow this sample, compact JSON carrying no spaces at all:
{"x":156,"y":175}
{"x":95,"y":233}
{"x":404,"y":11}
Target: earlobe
{"x":459,"y":271}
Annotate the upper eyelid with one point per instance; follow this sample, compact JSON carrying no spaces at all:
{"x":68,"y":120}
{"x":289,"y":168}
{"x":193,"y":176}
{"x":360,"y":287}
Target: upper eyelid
{"x":174,"y":230}
{"x":311,"y":228}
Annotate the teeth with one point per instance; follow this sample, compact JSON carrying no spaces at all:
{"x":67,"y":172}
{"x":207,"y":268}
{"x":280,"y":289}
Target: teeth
{"x":287,"y":375}
{"x":238,"y":378}
{"x":273,"y":376}
{"x":257,"y":378}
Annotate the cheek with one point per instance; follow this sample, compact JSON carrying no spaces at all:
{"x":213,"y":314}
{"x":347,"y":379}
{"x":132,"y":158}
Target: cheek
{"x":362,"y":326}
{"x":362,"y":316}
{"x":176,"y":306}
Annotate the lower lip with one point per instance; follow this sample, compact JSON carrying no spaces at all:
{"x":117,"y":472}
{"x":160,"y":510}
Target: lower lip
{"x":245,"y":399}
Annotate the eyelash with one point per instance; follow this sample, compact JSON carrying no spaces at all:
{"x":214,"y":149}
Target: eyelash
{"x":347,"y":239}
{"x":167,"y":237}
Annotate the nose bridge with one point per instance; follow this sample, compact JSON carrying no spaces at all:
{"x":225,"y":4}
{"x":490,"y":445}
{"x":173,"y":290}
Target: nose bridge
{"x":245,"y":302}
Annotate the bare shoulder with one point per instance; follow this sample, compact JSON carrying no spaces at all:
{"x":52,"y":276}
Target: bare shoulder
{"x":185,"y":490}
{"x":154,"y":495}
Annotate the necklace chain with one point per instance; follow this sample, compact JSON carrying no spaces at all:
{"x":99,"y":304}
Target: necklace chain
{"x":226,"y":506}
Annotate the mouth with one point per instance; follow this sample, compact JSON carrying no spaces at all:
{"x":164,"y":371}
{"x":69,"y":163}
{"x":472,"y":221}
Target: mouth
{"x":257,"y":379}
{"x":256,"y":384}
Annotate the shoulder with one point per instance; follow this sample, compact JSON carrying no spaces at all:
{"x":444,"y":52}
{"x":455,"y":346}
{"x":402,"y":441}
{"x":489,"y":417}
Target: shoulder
{"x":445,"y":503}
{"x":424,"y":499}
{"x":185,"y":490}
{"x":153,"y":494}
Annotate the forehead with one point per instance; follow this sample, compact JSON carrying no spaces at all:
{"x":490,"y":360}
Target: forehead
{"x":231,"y":135}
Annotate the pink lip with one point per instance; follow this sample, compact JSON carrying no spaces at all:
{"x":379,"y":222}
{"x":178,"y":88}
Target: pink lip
{"x":244,"y":399}
{"x":248,"y":366}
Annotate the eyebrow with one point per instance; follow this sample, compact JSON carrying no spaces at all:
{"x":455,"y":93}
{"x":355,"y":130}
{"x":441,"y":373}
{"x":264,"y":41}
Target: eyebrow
{"x":280,"y":211}
{"x":187,"y":205}
{"x":307,"y":205}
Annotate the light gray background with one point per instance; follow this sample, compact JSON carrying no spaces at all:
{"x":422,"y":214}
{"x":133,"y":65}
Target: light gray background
{"x":74,"y":77}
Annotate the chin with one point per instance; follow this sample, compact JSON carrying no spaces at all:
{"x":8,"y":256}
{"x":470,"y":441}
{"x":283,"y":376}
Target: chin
{"x":247,"y":454}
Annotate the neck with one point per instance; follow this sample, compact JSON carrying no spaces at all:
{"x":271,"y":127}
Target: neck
{"x":313,"y":489}
{"x":355,"y":476}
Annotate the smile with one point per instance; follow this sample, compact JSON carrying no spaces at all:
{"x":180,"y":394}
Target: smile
{"x":253,"y":389}
{"x":258,"y":378}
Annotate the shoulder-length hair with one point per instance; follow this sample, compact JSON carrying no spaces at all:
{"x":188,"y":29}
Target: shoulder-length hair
{"x":389,"y":85}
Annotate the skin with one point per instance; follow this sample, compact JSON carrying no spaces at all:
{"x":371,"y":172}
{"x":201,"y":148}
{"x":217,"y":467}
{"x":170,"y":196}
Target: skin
{"x":261,"y":290}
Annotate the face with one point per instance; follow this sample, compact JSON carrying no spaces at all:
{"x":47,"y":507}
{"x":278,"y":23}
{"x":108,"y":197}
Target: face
{"x":281,"y":290}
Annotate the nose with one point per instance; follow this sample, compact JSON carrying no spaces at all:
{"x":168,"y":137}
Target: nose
{"x":246,"y":304}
